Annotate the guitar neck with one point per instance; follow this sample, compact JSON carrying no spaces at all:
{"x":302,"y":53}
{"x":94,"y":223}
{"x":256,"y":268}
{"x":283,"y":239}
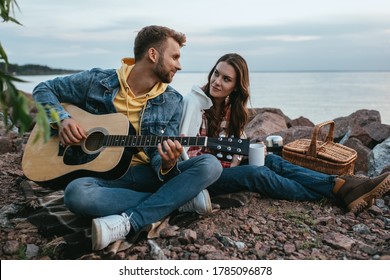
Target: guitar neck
{"x":150,"y":140}
{"x":95,"y":141}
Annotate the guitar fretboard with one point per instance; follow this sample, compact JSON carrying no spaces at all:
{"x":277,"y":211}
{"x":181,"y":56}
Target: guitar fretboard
{"x":150,"y":140}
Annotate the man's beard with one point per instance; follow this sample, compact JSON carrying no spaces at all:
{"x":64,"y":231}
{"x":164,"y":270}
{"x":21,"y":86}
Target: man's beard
{"x":162,"y":73}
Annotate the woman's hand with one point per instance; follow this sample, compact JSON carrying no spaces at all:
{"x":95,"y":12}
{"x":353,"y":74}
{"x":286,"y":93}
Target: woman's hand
{"x":172,"y":151}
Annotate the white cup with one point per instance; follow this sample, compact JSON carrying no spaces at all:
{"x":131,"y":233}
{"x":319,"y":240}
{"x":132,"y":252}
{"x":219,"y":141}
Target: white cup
{"x":256,"y":154}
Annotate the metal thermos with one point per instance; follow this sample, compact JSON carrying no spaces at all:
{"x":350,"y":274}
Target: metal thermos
{"x":274,"y":144}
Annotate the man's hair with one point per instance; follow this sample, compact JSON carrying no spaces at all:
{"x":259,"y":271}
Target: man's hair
{"x":155,"y":36}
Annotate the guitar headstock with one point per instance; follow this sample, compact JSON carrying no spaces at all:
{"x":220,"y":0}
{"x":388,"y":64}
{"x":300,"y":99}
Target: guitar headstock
{"x":232,"y":145}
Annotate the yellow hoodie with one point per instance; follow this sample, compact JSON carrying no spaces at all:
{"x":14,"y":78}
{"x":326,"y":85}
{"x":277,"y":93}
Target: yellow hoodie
{"x":133,"y":106}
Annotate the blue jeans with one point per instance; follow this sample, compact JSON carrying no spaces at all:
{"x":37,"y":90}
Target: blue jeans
{"x":140,"y":194}
{"x":277,"y":179}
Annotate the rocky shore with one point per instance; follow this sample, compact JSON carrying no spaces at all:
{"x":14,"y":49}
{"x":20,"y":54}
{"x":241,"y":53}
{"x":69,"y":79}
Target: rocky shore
{"x":256,"y":228}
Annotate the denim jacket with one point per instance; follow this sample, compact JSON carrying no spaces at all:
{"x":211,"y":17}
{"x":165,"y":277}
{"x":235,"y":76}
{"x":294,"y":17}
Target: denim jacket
{"x":94,"y":91}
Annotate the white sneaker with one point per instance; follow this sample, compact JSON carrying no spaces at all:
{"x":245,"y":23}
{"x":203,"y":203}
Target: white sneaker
{"x":109,"y":229}
{"x":200,"y":204}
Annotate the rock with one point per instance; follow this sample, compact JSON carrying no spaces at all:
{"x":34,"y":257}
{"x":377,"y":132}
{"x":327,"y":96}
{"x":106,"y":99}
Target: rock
{"x":240,"y":245}
{"x":213,"y":241}
{"x":226,"y":241}
{"x":361,"y":228}
{"x":3,"y":129}
{"x":207,"y":249}
{"x":371,"y":250}
{"x":255,"y":229}
{"x":371,"y":134}
{"x":155,"y":251}
{"x":10,"y":142}
{"x":289,"y":248}
{"x":256,"y":111}
{"x":5,"y":145}
{"x":386,"y":169}
{"x":380,"y":202}
{"x":187,"y":236}
{"x":168,"y":232}
{"x":379,"y":158}
{"x":32,"y":251}
{"x":264,"y":124}
{"x":375,"y":209}
{"x":11,"y":247}
{"x":361,"y":163}
{"x":377,"y":131}
{"x":297,"y":132}
{"x":339,"y":241}
{"x":359,"y":118}
{"x":301,"y":121}
{"x":5,"y":212}
{"x":218,"y":255}
{"x":361,"y":134}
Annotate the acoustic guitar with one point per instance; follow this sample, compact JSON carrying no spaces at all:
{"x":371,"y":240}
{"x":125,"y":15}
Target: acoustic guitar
{"x":106,"y":152}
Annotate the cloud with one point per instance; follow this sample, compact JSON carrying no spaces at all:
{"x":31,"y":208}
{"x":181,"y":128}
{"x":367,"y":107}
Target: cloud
{"x":75,"y":52}
{"x":291,"y":38}
{"x":300,"y":35}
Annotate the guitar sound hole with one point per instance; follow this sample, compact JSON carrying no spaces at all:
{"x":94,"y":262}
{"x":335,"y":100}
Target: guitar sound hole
{"x":94,"y":141}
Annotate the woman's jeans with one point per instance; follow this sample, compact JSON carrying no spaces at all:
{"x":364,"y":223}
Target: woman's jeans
{"x":140,"y":194}
{"x":278,"y":179}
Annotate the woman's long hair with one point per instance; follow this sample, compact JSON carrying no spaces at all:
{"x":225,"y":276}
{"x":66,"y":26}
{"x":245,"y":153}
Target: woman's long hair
{"x":238,"y":99}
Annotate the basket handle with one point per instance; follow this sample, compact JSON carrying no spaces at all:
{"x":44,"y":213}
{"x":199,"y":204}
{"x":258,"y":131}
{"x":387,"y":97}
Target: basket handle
{"x":329,"y":139}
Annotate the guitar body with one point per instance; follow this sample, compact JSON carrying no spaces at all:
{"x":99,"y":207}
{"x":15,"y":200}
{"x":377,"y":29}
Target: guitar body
{"x":52,"y":165}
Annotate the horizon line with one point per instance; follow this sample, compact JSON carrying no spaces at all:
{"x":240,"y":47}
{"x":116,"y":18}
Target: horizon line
{"x":291,"y":71}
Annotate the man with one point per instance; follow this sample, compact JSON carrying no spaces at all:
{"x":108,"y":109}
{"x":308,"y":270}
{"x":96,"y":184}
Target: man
{"x":156,"y":183}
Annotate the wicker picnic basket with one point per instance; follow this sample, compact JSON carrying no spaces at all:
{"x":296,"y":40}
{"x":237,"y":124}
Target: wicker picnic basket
{"x":326,"y":157}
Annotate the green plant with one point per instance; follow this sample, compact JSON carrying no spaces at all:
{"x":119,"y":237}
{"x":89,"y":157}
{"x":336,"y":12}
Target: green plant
{"x":309,"y":244}
{"x":13,"y":103}
{"x":22,"y":252}
{"x":299,"y":217}
{"x":6,"y":7}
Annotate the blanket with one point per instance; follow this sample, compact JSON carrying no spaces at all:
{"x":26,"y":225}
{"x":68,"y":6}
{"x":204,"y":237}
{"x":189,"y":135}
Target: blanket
{"x":71,"y":234}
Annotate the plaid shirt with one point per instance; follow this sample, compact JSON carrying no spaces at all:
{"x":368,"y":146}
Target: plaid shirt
{"x":224,"y":158}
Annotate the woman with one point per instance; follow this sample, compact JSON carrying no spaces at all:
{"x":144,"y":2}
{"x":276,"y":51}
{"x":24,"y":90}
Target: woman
{"x":219,"y":108}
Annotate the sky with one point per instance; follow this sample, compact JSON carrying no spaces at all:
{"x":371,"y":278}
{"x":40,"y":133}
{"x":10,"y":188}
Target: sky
{"x":272,"y":35}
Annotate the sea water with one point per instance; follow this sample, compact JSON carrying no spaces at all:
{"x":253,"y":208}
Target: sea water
{"x":318,"y":96}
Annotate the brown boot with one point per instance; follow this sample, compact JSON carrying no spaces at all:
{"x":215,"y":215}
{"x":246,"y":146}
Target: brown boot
{"x":358,"y":192}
